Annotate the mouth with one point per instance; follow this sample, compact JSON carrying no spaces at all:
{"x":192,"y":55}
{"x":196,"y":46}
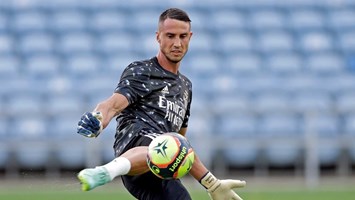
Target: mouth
{"x":176,"y":52}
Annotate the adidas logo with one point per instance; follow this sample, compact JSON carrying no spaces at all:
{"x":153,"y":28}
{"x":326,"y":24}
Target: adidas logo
{"x":165,"y":90}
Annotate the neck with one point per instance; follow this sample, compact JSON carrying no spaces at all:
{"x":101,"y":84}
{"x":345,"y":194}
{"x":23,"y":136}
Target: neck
{"x":166,"y":64}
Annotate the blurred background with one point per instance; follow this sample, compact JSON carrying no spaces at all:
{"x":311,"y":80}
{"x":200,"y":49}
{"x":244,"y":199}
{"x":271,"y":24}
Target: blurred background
{"x":273,"y":81}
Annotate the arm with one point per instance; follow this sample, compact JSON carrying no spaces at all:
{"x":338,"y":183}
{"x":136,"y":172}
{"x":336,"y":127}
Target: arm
{"x":91,"y":124}
{"x":111,"y":107}
{"x":217,"y":189}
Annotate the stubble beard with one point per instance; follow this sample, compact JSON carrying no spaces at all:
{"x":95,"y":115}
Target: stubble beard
{"x":173,"y":59}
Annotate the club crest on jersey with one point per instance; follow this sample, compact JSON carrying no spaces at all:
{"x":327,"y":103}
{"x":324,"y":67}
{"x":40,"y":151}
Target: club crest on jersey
{"x":165,"y":90}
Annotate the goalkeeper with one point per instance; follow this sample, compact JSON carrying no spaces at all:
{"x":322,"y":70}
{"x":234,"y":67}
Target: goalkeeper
{"x":152,"y":98}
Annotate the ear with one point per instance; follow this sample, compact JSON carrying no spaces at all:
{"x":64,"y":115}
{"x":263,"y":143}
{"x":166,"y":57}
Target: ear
{"x":157,"y":36}
{"x":191,"y":33}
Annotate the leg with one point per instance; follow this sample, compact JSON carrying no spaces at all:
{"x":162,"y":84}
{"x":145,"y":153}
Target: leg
{"x":149,"y":187}
{"x":138,"y":159}
{"x":132,"y":162}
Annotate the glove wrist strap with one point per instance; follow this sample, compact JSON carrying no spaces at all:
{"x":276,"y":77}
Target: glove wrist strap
{"x":208,"y":180}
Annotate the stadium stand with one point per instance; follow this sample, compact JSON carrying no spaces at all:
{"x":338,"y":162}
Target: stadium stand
{"x":262,"y":72}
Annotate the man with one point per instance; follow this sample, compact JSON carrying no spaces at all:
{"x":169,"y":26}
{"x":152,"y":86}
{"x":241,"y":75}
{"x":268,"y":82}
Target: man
{"x":152,"y":98}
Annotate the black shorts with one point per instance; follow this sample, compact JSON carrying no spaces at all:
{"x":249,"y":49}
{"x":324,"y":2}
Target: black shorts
{"x":148,"y":186}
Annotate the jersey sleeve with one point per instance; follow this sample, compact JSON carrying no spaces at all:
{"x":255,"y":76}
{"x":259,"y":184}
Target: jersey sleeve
{"x":134,"y":83}
{"x":187,"y":115}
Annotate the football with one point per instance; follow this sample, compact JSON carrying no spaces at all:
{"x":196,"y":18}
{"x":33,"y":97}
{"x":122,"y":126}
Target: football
{"x":170,"y":156}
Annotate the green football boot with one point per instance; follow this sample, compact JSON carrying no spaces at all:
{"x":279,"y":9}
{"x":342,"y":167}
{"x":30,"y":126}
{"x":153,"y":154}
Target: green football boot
{"x":93,"y":177}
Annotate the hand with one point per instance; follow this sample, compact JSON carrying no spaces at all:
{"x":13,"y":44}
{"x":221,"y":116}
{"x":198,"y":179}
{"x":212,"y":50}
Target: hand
{"x":90,"y":124}
{"x":221,"y":189}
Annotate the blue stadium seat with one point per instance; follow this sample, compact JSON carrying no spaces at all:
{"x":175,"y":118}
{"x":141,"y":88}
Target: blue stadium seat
{"x":237,"y":125}
{"x":107,"y":20}
{"x":66,"y":104}
{"x":42,"y":65}
{"x":148,"y":46}
{"x":349,"y":124}
{"x":33,"y":155}
{"x":325,"y":63}
{"x":243,"y":63}
{"x":29,"y":126}
{"x":83,"y":64}
{"x":4,"y":22}
{"x":306,"y":19}
{"x":347,"y":41}
{"x":316,"y":41}
{"x":7,"y":44}
{"x":202,"y":44}
{"x":29,"y":20}
{"x":282,"y":136}
{"x":98,"y":86}
{"x":199,"y":133}
{"x":239,"y":130}
{"x":203,"y":65}
{"x":228,"y":19}
{"x":36,"y":43}
{"x":232,"y":103}
{"x":60,"y":85}
{"x":341,"y":19}
{"x":326,"y":126}
{"x":31,"y":130}
{"x":107,"y":139}
{"x":235,"y":41}
{"x":260,"y":83}
{"x":311,"y":102}
{"x":142,"y":21}
{"x":283,"y":153}
{"x":14,"y":84}
{"x":328,"y":153}
{"x":279,"y":125}
{"x":271,"y":102}
{"x":266,"y":19}
{"x":78,"y":42}
{"x":345,"y":103}
{"x":9,"y":66}
{"x":285,"y":63}
{"x":199,"y":19}
{"x":299,"y":83}
{"x":70,"y":147}
{"x":275,"y":41}
{"x":4,"y":136}
{"x":116,"y":63}
{"x":68,"y":20}
{"x":349,"y":129}
{"x":221,"y":85}
{"x":114,"y":43}
{"x":24,"y":105}
{"x":341,"y":84}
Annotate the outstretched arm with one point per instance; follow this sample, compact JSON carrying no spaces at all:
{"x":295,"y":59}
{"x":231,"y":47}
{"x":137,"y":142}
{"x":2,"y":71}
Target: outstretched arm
{"x":217,"y":189}
{"x":111,"y":107}
{"x":91,"y":124}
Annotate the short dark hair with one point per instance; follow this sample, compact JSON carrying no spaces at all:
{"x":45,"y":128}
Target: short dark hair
{"x":174,"y":13}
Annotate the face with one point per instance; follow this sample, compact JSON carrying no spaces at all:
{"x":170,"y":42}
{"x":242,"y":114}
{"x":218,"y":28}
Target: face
{"x":173,"y":37}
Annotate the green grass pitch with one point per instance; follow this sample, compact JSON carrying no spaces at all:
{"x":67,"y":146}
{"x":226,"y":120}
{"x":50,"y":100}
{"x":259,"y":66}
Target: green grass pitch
{"x":70,"y":190}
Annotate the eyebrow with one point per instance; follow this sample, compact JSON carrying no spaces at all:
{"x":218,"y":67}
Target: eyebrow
{"x":169,"y":33}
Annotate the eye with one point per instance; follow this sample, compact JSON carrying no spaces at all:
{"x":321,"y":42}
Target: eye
{"x":183,"y":36}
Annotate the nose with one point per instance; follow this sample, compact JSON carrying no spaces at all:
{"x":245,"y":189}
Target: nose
{"x":177,"y":42}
